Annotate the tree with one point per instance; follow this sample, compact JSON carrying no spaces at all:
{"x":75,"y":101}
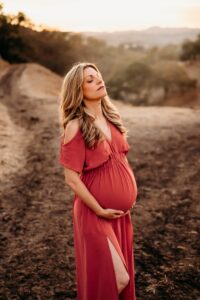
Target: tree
{"x":138,"y":76}
{"x":10,"y":39}
{"x":173,"y":78}
{"x":190,"y":50}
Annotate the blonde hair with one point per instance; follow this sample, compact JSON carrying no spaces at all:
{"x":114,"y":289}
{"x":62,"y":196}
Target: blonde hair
{"x":72,"y":106}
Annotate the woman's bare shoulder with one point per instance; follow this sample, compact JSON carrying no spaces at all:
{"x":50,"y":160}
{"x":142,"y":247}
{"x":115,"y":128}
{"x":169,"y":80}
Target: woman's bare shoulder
{"x":71,"y":130}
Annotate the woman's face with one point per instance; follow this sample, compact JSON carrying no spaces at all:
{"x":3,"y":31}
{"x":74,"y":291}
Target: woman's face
{"x":93,"y":84}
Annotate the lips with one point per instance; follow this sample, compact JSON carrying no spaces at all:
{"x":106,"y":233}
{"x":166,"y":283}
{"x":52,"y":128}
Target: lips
{"x":100,"y":87}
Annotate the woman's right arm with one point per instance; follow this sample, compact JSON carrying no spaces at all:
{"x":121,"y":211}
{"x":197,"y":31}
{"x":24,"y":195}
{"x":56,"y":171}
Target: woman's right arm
{"x":73,"y":180}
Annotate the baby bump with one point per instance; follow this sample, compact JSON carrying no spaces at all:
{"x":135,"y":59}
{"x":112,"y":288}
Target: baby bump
{"x":114,"y":186}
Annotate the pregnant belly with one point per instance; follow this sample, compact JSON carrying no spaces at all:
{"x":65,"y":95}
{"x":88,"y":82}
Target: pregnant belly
{"x":113,"y":186}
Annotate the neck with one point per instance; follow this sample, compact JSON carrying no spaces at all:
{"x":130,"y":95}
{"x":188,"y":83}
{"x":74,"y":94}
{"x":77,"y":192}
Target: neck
{"x":94,"y":108}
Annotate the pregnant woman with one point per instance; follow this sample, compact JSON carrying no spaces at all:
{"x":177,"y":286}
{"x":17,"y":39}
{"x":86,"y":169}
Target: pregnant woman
{"x":93,"y":148}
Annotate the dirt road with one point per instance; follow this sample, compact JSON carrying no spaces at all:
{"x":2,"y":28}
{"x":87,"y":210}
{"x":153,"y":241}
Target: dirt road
{"x":36,"y":206}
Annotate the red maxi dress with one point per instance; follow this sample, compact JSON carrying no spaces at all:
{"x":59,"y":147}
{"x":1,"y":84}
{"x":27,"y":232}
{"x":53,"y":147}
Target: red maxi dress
{"x":109,"y":177}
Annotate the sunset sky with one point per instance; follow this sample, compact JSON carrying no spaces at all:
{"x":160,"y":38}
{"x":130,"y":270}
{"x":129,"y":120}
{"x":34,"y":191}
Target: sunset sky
{"x":108,"y":15}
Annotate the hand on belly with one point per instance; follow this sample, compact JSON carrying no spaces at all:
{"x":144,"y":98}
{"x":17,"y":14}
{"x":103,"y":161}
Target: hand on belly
{"x":114,"y":188}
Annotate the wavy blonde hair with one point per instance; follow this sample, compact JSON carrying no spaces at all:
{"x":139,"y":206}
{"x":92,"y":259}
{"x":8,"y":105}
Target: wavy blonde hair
{"x":72,"y":106}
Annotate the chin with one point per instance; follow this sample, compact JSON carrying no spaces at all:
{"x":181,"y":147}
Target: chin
{"x":104,"y":94}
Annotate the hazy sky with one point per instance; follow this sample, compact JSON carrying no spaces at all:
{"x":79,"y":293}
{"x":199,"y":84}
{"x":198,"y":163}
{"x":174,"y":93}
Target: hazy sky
{"x":108,"y":15}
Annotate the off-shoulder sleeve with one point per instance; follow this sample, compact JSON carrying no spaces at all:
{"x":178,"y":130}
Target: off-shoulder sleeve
{"x":72,"y":153}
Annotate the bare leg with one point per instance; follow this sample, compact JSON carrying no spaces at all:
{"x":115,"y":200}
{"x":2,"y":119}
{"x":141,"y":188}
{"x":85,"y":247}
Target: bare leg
{"x":122,"y":277}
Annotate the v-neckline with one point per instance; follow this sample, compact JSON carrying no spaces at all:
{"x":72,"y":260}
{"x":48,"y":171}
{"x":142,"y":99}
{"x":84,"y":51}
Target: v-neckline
{"x":105,"y":136}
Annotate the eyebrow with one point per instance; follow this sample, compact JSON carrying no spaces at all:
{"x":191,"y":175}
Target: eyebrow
{"x":91,"y":75}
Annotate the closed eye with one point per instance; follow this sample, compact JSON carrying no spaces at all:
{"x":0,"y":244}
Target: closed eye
{"x":98,"y":76}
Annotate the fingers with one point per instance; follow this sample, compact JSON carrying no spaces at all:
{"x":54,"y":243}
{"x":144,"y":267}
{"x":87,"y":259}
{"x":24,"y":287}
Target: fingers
{"x":113,"y":213}
{"x":120,"y":211}
{"x":120,"y":214}
{"x":124,"y":213}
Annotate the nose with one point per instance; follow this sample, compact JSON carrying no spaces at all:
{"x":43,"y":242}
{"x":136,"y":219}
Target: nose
{"x":99,"y":80}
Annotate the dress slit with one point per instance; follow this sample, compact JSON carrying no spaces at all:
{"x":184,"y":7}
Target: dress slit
{"x":119,"y":257}
{"x":119,"y":251}
{"x":113,"y":269}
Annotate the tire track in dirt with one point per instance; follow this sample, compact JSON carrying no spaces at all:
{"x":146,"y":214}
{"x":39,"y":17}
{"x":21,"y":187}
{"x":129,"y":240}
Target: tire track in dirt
{"x":34,"y":201}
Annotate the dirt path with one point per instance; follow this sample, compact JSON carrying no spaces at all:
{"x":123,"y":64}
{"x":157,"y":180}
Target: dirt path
{"x":36,"y":236}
